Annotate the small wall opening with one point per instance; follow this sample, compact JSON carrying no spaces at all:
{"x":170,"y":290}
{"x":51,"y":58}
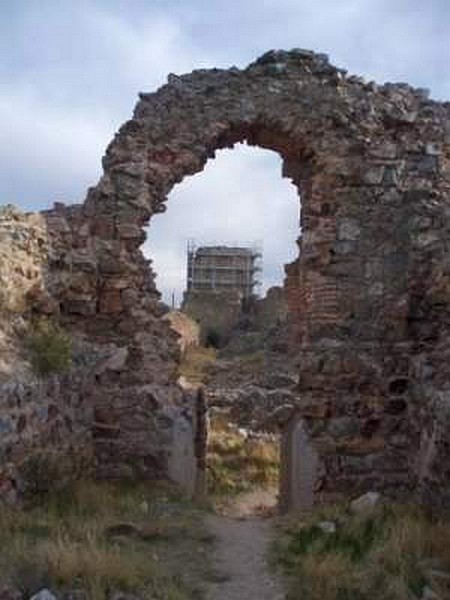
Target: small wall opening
{"x":213,"y":339}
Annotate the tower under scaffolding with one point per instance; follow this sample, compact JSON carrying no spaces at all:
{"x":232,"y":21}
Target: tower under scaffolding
{"x":224,"y":268}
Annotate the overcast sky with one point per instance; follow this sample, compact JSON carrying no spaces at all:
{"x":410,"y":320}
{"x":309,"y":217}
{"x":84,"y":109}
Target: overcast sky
{"x":70,"y":71}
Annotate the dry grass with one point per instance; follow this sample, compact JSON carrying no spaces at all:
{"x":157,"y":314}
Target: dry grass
{"x":389,"y":554}
{"x":237,"y":463}
{"x":102,"y":537}
{"x":195,"y":363}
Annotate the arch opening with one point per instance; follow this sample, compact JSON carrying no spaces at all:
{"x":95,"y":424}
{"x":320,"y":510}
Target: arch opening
{"x":238,"y":197}
{"x":238,"y":201}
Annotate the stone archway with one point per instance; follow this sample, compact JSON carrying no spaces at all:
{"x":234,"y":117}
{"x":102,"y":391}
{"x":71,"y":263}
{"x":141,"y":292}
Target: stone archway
{"x":367,"y":296}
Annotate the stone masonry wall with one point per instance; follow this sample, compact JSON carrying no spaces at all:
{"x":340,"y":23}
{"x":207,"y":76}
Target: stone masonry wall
{"x":271,"y":310}
{"x":368,"y":295}
{"x":217,"y":313}
{"x":48,"y":419}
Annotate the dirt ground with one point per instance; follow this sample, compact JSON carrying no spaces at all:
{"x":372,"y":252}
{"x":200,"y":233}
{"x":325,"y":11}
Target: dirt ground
{"x":243,"y":531}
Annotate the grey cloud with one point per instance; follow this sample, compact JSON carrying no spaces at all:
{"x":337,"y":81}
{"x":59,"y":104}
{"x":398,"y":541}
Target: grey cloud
{"x":384,"y":40}
{"x":62,"y":100}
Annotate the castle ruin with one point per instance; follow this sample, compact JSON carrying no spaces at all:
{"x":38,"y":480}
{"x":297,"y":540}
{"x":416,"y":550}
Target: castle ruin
{"x":368,"y":297}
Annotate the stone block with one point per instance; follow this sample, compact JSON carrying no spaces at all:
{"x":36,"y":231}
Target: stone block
{"x":366,"y":503}
{"x":83,"y":260}
{"x":44,"y":594}
{"x":373,"y":175}
{"x":79,"y":306}
{"x":5,"y":425}
{"x":103,"y":227}
{"x":348,"y":229}
{"x":129,"y":231}
{"x":361,"y":445}
{"x":110,"y":302}
{"x":386,"y":150}
{"x":433,"y":149}
{"x":428,"y":165}
{"x":390,"y":176}
{"x":327,"y":527}
{"x":343,"y":426}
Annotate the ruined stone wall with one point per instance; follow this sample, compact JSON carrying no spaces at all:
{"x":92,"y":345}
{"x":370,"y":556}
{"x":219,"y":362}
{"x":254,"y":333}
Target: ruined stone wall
{"x":271,"y":310}
{"x":217,"y":312}
{"x":70,"y":423}
{"x":368,"y":295}
{"x":106,"y":293}
{"x":49,"y":422}
{"x":46,"y":419}
{"x":187,"y":329}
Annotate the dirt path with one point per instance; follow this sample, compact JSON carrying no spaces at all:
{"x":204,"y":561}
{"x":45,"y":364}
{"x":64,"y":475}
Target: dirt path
{"x":241,"y":554}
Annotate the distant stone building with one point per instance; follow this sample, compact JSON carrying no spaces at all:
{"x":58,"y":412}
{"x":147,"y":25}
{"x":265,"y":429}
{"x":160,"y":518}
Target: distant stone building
{"x":220,"y":282}
{"x":223,"y":268}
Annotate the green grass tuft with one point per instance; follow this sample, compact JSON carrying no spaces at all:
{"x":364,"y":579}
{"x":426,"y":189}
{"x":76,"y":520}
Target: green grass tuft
{"x":381,"y":555}
{"x":101,"y":537}
{"x":50,"y":349}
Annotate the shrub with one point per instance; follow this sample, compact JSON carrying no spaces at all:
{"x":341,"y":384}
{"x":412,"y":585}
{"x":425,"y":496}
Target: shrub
{"x":353,"y":541}
{"x":382,"y":555}
{"x":50,"y":349}
{"x":40,"y":473}
{"x":61,"y":543}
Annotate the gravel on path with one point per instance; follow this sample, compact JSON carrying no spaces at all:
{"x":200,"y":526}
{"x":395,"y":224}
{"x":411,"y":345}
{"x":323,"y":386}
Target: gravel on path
{"x":241,"y":560}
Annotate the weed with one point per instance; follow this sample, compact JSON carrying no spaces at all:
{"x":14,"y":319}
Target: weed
{"x":378,"y":555}
{"x":353,"y":541}
{"x":40,"y":473}
{"x":195,"y":363}
{"x":62,"y":542}
{"x":50,"y":349}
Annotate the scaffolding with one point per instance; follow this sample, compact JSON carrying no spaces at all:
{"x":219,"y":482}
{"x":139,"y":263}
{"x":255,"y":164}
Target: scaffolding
{"x":222,"y":268}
